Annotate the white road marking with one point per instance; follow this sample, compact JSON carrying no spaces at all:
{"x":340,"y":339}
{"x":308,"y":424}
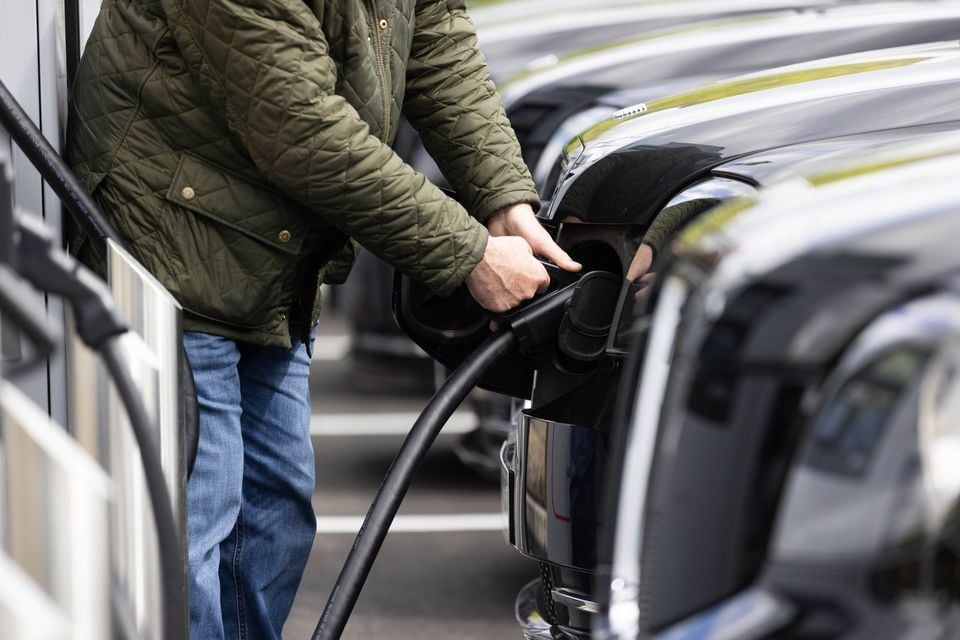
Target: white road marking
{"x":331,"y":347}
{"x":382,"y":424}
{"x":417,"y":524}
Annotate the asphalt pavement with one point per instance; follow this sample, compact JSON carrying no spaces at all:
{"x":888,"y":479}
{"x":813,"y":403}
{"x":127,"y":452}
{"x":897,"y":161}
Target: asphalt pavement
{"x":445,"y":570}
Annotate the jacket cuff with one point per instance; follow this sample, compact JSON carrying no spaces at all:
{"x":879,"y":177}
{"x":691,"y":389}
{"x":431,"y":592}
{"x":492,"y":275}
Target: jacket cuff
{"x":466,"y":266}
{"x":489,"y":206}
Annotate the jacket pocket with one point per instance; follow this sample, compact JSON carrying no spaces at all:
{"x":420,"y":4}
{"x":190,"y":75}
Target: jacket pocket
{"x":244,"y":205}
{"x":237,"y":248}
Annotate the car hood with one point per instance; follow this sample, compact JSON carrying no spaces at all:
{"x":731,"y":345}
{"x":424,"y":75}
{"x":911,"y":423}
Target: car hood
{"x":771,"y":166}
{"x":625,"y":170}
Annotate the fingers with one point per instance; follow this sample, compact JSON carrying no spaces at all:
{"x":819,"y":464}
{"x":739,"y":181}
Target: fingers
{"x":641,"y":262}
{"x":533,"y":279}
{"x":643,"y":286}
{"x":507,"y":275}
{"x":520,"y":220}
{"x":545,"y":248}
{"x":544,"y":283}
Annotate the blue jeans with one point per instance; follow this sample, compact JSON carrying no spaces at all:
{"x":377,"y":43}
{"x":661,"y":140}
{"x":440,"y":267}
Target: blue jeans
{"x":250,"y":521}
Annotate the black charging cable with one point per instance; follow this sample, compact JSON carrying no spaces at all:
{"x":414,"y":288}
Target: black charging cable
{"x":529,"y":325}
{"x":53,"y":169}
{"x":85,"y":212}
{"x":100,"y":326}
{"x":375,"y":526}
{"x":14,"y":296}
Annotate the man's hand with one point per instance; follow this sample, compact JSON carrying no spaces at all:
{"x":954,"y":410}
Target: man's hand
{"x":639,"y":270}
{"x":640,"y":265}
{"x":519,"y":220}
{"x":507,"y":275}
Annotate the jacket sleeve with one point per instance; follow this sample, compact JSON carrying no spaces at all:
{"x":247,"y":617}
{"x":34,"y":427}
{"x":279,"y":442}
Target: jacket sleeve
{"x":265,"y":66}
{"x":452,"y":102}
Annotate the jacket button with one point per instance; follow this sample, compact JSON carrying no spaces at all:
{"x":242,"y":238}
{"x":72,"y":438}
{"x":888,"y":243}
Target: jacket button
{"x":283,"y":317}
{"x":383,"y":24}
{"x":187,"y":193}
{"x":284,"y":236}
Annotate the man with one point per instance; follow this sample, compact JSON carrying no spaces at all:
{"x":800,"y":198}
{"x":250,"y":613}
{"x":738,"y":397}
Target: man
{"x":237,"y":145}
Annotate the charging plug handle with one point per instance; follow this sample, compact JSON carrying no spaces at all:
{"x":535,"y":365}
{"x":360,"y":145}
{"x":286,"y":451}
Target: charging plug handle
{"x":15,"y":305}
{"x":536,"y":321}
{"x":49,"y":268}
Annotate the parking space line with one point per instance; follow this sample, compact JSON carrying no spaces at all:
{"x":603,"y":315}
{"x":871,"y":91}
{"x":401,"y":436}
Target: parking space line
{"x":441,"y":523}
{"x":331,"y":347}
{"x":382,"y":424}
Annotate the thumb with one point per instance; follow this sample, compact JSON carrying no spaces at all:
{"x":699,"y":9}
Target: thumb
{"x":545,"y":248}
{"x":551,"y":251}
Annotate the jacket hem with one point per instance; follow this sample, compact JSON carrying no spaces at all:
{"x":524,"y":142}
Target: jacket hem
{"x":194,"y":323}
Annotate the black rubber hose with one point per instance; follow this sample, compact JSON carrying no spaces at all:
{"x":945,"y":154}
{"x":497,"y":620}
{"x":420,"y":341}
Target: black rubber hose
{"x":88,"y":216}
{"x":53,"y":169}
{"x":173,"y":586}
{"x":14,"y":308}
{"x":354,"y":573}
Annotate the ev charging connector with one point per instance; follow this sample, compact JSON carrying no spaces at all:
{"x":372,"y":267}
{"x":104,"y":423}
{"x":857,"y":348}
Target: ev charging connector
{"x":526,"y":328}
{"x":534,"y":323}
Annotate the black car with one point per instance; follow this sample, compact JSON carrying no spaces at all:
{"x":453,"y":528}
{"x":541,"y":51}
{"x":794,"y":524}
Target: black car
{"x":787,"y":466}
{"x":686,"y":154}
{"x":522,"y":36}
{"x":551,"y":106}
{"x":634,"y":182}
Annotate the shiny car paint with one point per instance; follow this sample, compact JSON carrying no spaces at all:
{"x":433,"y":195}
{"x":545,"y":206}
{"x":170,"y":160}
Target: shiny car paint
{"x":685,"y":137}
{"x":552,"y":104}
{"x":861,"y":267}
{"x":611,"y":183}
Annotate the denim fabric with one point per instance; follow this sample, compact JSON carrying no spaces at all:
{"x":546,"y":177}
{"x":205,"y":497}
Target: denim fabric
{"x":250,"y":521}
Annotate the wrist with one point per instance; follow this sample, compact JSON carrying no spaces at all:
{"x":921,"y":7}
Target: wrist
{"x":511,"y":220}
{"x":517,"y":208}
{"x":483,"y":211}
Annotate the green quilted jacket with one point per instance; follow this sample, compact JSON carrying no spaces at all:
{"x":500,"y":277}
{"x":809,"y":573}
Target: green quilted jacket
{"x":237,"y":145}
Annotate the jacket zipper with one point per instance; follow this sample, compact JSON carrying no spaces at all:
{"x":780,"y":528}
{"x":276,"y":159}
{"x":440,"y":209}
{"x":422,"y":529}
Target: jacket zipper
{"x":384,"y":90}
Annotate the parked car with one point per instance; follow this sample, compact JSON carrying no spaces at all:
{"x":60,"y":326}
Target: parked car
{"x":571,"y":57}
{"x":513,"y":36}
{"x":636,"y":181}
{"x":521,"y":34}
{"x":550,"y":106}
{"x":718,"y":142}
{"x":787,"y":465}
